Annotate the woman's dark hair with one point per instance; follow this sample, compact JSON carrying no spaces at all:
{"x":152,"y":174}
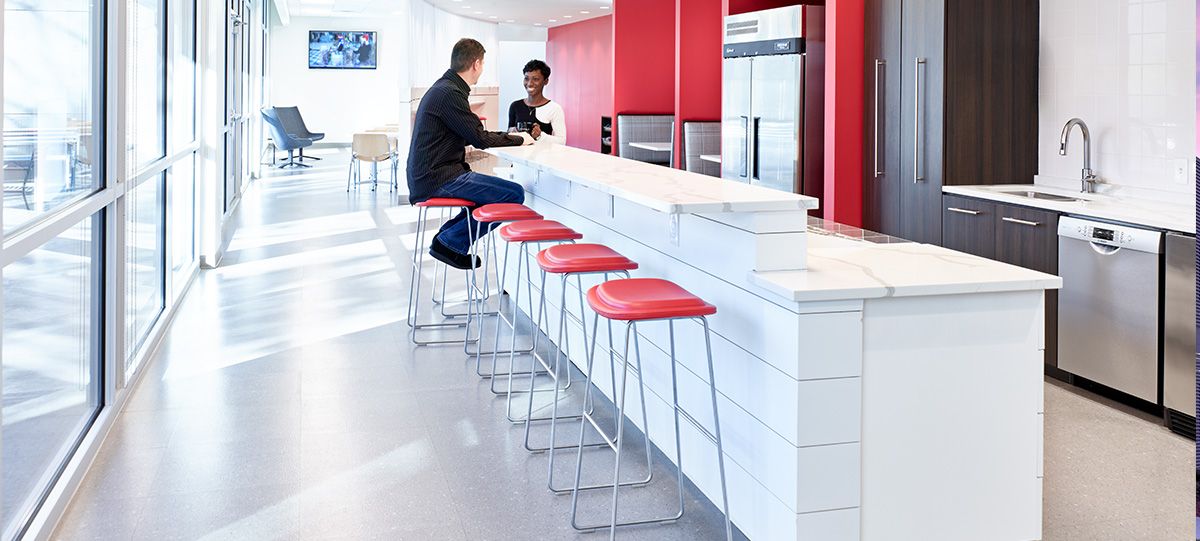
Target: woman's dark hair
{"x":465,"y":53}
{"x":537,"y":65}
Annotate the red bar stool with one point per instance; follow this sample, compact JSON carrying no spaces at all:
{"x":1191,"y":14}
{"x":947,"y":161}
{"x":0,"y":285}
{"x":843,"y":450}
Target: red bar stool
{"x":444,"y":204}
{"x":491,"y":215}
{"x":523,"y":234}
{"x":577,"y":260}
{"x":634,"y":301}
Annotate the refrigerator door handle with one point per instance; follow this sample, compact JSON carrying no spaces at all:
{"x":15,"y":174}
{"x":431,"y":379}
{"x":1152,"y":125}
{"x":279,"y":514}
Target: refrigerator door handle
{"x":754,"y":149}
{"x":746,"y":152}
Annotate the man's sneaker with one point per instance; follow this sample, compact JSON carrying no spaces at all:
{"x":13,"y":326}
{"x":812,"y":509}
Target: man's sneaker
{"x":444,"y":254}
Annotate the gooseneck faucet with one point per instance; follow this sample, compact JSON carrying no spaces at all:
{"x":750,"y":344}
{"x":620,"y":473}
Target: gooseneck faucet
{"x":1088,"y":176}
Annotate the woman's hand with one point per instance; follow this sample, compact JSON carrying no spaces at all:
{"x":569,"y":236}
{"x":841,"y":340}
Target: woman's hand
{"x":537,"y":131}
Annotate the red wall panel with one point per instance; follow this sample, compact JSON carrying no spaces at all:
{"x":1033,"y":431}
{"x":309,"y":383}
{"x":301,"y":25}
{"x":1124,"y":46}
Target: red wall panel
{"x":643,"y":56}
{"x":844,"y":112}
{"x":580,"y":56}
{"x":698,"y":33}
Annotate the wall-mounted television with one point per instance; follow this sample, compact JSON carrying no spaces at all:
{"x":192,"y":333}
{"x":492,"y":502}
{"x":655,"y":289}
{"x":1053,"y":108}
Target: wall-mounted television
{"x":342,"y":50}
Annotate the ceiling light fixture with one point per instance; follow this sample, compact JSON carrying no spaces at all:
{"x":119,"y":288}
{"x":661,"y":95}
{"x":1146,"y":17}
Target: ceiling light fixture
{"x":566,"y":16}
{"x":585,"y":12}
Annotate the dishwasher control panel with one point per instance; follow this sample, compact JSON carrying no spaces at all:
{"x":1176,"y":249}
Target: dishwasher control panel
{"x":1115,"y":235}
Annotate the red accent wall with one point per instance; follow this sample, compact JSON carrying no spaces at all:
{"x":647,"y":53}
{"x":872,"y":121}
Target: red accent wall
{"x":698,"y":34}
{"x":733,"y":7}
{"x":843,"y":200}
{"x":643,"y":57}
{"x":580,"y":55}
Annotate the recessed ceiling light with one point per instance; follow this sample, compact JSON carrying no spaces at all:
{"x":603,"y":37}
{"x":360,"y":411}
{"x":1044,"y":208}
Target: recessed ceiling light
{"x":510,"y":21}
{"x":479,"y":13}
{"x":566,"y":16}
{"x":491,"y":16}
{"x":603,"y":7}
{"x":585,"y":12}
{"x":553,"y":20}
{"x":537,"y":24}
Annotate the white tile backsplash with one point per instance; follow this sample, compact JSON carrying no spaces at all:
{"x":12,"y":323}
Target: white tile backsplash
{"x":1127,"y":68}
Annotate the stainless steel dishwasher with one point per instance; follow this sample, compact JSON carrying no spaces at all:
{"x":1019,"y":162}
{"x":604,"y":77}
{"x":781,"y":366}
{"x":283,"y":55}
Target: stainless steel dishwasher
{"x":1179,"y":334}
{"x":1108,"y":318}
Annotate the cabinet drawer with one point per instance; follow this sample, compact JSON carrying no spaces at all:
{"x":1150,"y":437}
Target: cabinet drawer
{"x":1027,"y":237}
{"x":969,"y":225}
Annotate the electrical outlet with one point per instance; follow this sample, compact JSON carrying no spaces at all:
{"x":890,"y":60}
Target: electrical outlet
{"x":1181,"y":171}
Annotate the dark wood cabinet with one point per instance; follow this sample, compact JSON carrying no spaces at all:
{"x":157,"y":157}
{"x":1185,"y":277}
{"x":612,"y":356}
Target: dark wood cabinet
{"x":950,"y":93}
{"x":1027,"y":237}
{"x":1021,"y":236}
{"x":881,"y":166}
{"x":969,"y":225}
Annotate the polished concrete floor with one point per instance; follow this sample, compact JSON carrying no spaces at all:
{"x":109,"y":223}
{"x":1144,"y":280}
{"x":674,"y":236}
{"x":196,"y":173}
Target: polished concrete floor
{"x":287,"y":403}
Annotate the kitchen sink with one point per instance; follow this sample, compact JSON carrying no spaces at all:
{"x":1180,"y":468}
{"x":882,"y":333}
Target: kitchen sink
{"x":1039,"y":195}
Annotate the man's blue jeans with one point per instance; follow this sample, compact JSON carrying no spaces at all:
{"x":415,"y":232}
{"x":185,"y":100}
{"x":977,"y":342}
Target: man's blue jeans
{"x":483,"y":190}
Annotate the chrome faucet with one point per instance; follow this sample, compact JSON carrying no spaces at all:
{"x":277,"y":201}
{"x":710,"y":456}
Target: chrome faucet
{"x":1089,"y":178}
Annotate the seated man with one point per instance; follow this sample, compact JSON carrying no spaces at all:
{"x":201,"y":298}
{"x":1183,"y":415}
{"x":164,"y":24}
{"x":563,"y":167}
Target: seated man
{"x":437,"y":165}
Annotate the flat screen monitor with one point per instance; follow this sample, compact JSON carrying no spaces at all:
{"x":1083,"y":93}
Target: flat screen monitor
{"x":342,"y":50}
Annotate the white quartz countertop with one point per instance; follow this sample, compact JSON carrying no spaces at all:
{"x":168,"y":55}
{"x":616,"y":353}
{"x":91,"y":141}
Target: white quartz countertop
{"x":661,"y":188}
{"x":1155,"y":214}
{"x":842,"y":269}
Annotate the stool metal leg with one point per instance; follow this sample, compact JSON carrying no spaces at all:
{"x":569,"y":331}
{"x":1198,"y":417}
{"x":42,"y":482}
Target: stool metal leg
{"x":587,"y":402}
{"x":415,"y":288}
{"x":712,"y":387}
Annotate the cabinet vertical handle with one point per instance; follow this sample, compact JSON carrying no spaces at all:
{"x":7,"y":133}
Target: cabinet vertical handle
{"x":917,"y":176}
{"x":878,"y":65}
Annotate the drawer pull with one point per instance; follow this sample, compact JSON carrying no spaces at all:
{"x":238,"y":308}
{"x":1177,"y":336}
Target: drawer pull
{"x":1019,"y":221}
{"x":964,"y":211}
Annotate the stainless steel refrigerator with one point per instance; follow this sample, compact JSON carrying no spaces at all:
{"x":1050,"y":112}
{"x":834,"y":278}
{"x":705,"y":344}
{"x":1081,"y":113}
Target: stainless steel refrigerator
{"x":773,"y":99}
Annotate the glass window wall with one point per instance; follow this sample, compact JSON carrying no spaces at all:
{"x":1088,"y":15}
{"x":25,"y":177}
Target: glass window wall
{"x":147,"y":83}
{"x":50,"y":104}
{"x":51,"y":352}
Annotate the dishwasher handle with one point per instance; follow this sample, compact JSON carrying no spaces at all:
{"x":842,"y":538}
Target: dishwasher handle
{"x":1104,"y":249}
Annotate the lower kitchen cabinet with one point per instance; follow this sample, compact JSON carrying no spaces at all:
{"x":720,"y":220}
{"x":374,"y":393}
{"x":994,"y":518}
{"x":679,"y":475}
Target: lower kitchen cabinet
{"x":969,"y":226}
{"x":1021,"y":236}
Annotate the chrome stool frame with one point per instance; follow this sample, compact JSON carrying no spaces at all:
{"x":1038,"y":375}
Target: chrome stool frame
{"x":484,"y":294}
{"x":414,"y":288}
{"x":587,"y":401}
{"x":615,"y":442}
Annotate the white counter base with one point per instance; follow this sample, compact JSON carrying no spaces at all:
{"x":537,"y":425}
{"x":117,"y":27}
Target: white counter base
{"x":885,"y":417}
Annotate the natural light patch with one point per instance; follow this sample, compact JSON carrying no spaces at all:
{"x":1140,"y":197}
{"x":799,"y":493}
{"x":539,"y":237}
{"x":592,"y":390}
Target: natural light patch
{"x":302,"y":229}
{"x":396,"y":465}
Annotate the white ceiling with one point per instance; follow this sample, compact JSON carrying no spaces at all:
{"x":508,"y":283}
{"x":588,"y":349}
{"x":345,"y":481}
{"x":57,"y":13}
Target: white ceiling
{"x":544,"y":13}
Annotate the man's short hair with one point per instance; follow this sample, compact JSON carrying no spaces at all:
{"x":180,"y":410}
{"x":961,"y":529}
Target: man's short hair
{"x":537,"y":65}
{"x":465,"y":53}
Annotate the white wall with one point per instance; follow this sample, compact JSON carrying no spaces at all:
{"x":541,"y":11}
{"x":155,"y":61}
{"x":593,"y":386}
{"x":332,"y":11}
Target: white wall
{"x":432,"y":34}
{"x":1126,"y":67}
{"x":512,"y":58}
{"x":340,"y":102}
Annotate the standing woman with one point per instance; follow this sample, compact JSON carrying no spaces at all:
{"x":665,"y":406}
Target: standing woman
{"x":543,"y":117}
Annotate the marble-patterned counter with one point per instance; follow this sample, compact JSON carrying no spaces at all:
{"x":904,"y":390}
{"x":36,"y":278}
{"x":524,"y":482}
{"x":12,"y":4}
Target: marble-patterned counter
{"x":883,"y":390}
{"x":1174,"y":216}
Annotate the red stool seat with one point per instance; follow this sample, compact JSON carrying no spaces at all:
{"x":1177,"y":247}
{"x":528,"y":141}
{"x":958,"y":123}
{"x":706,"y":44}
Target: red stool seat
{"x":445,"y":202}
{"x":537,"y":230}
{"x":505,"y":212}
{"x":636,"y":299}
{"x":568,"y":258}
